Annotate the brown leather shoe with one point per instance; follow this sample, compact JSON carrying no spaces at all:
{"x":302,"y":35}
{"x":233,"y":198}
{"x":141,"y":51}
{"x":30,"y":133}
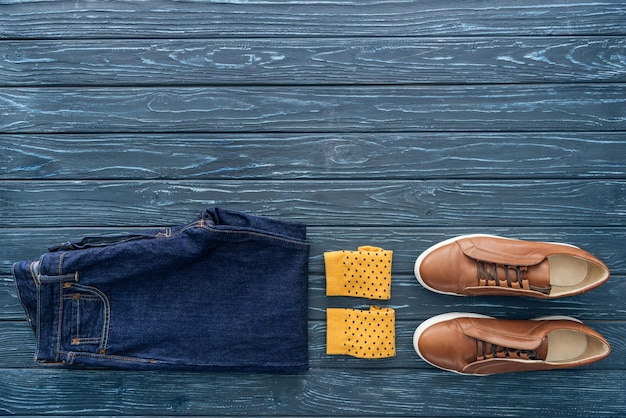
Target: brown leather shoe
{"x":473,"y":265}
{"x":480,"y":345}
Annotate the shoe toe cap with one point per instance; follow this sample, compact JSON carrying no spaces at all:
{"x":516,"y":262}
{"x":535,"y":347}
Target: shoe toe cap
{"x":438,"y":346}
{"x":442,"y":270}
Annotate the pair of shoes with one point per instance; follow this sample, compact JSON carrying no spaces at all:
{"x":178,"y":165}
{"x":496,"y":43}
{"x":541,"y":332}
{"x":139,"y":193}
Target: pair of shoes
{"x":473,"y":265}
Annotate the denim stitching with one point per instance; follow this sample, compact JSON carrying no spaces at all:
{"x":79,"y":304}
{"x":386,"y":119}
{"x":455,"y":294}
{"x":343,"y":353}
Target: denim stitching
{"x":97,"y":295}
{"x":59,"y":318}
{"x":60,"y":277}
{"x":32,"y":272}
{"x":73,"y":354}
{"x":165,"y":233}
{"x":36,"y":356}
{"x":259,"y":234}
{"x":107,"y":316}
{"x":60,"y":269}
{"x":44,"y":278}
{"x":77,"y":319}
{"x":17,"y":290}
{"x":89,"y":340}
{"x":83,"y":297}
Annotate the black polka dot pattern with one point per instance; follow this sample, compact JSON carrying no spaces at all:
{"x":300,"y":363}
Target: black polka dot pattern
{"x":364,"y":334}
{"x":365,"y":273}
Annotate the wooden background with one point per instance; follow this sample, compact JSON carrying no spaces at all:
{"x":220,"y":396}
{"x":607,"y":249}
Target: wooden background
{"x":393,"y":123}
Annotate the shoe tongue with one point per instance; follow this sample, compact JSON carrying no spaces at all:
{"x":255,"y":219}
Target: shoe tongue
{"x":491,"y":350}
{"x":539,"y":276}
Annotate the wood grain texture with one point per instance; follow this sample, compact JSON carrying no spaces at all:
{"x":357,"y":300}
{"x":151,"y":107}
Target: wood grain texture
{"x":319,"y":392}
{"x":489,"y":203}
{"x":378,"y":156}
{"x":530,"y":108}
{"x":313,"y":61}
{"x":234,"y":18}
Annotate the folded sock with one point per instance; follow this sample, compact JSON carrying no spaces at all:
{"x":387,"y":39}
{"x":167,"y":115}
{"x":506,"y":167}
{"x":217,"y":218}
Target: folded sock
{"x":363,"y":273}
{"x":362,"y":334}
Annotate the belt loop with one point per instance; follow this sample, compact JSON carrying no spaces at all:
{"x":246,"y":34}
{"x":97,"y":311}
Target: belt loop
{"x":55,"y":267}
{"x":47,"y":279}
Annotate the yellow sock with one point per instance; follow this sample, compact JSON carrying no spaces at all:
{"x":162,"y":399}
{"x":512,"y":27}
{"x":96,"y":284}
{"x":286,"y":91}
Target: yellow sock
{"x":362,"y":334}
{"x":364,"y":273}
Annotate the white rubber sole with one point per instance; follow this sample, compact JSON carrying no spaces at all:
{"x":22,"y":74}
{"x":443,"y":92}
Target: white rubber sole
{"x":429,"y":250}
{"x":453,"y":315}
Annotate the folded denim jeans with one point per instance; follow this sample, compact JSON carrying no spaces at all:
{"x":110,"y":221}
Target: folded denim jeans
{"x":227,"y":291}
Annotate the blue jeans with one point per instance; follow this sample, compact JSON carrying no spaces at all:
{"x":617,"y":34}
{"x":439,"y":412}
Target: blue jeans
{"x":225,"y":292}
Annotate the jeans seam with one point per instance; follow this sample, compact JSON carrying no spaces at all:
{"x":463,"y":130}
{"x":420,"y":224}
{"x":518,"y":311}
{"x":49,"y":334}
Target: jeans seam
{"x":38,"y":328}
{"x":32,"y":272}
{"x":60,"y":265}
{"x":73,"y":354}
{"x":59,"y":321}
{"x":17,"y":290}
{"x":259,"y":234}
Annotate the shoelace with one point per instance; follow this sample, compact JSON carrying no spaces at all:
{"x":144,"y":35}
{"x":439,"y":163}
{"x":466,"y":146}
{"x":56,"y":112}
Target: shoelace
{"x":489,"y":350}
{"x":514,"y":276}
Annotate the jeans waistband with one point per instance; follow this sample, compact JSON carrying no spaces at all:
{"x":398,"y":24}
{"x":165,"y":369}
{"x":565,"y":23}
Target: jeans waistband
{"x":224,"y":219}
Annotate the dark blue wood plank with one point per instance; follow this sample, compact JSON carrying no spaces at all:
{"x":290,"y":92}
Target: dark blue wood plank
{"x":314,"y":61}
{"x":375,"y":156}
{"x":324,"y":392}
{"x":474,"y":108}
{"x":172,"y":19}
{"x":400,"y":203}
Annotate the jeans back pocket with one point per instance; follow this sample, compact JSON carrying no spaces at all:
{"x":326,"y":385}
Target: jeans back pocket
{"x":86,"y":316}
